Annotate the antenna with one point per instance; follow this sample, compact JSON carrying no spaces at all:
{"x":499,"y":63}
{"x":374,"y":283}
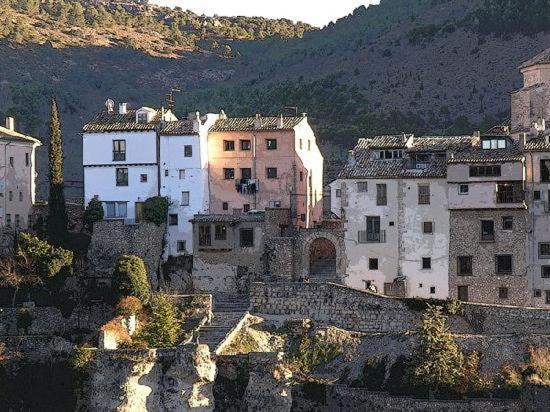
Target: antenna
{"x":295,"y":108}
{"x":170,"y":100}
{"x":110,"y":105}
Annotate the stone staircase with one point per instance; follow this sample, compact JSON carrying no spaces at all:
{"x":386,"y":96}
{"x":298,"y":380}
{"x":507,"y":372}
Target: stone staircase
{"x":228,"y":310}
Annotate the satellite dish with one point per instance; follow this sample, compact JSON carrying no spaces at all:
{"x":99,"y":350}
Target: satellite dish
{"x":110,"y":105}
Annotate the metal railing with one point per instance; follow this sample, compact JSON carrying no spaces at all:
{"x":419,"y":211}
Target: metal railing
{"x":364,"y":236}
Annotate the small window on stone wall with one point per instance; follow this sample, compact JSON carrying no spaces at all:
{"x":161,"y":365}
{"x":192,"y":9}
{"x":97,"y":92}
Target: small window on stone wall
{"x":503,"y":264}
{"x":503,"y":293}
{"x":247,"y":237}
{"x":537,"y":293}
{"x":432,"y":290}
{"x":373,"y":264}
{"x":426,"y":263}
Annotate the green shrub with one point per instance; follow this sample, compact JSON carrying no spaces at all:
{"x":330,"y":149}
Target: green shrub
{"x":24,"y":318}
{"x":81,"y":357}
{"x":94,"y":213}
{"x":130,"y":278}
{"x":41,"y":258}
{"x":163,"y":329}
{"x":312,"y":352}
{"x":155,"y":210}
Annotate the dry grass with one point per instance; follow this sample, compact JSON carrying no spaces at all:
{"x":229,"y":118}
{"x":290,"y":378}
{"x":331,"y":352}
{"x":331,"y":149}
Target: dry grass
{"x":539,"y":364}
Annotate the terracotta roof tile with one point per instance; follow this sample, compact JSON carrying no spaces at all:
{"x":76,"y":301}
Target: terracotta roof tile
{"x":440,"y":143}
{"x":537,"y":145}
{"x":180,"y":127}
{"x":476,"y":154}
{"x":248,"y":123}
{"x":229,"y":218}
{"x":541,"y":58}
{"x":16,"y":136}
{"x":115,"y":122}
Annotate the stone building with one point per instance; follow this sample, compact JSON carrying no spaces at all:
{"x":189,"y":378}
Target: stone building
{"x":231,"y":251}
{"x":265,"y":162}
{"x":392,"y":197}
{"x":17,"y":177}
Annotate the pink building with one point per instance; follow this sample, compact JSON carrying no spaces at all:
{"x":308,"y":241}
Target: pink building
{"x":265,"y":162}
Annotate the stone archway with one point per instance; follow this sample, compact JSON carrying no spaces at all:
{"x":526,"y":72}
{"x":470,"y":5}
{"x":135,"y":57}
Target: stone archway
{"x":322,"y":258}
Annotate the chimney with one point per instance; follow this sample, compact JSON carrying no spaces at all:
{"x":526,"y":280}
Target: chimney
{"x":477,"y":134}
{"x":304,"y":115}
{"x":196,"y":117}
{"x":10,"y":123}
{"x":257,"y":122}
{"x":223,"y":116}
{"x":280,"y":122}
{"x":351,"y":157}
{"x":122,"y":108}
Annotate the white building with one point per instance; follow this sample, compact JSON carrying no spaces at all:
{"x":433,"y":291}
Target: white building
{"x":392,"y":195}
{"x":132,"y":155}
{"x":184,"y":177}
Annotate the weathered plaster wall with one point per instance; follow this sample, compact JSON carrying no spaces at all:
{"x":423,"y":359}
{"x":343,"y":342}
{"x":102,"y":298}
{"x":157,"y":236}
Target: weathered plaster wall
{"x":112,"y":239}
{"x":150,"y":380}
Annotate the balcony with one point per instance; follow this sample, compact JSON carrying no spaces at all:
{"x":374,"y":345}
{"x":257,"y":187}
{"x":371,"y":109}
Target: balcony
{"x":371,"y":237}
{"x":247,"y":186}
{"x":119,"y":156}
{"x":510,"y":193}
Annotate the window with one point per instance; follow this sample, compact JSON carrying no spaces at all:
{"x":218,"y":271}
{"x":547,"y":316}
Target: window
{"x":464,"y":266}
{"x":225,"y":206}
{"x":536,"y":195}
{"x":220,"y":232}
{"x":8,"y":220}
{"x":432,"y":290}
{"x":173,"y":219}
{"x":390,"y":154}
{"x":485,"y":171}
{"x":426,"y":263}
{"x":301,"y":176}
{"x":184,"y":198}
{"x":463,"y":189}
{"x":27,"y":159}
{"x":119,"y":150}
{"x":303,"y":217}
{"x":115,"y":210}
{"x":338,"y":193}
{"x":229,"y":173}
{"x":544,"y":250}
{"x":487,"y":231}
{"x":463,"y":293}
{"x":381,"y":194}
{"x":428,"y":227}
{"x":10,"y":195}
{"x":271,"y":173}
{"x":246,"y":173}
{"x":181,"y":247}
{"x":510,"y":193}
{"x":20,"y":196}
{"x":545,"y":272}
{"x":228,"y":145}
{"x":143,"y":178}
{"x":362,"y":187}
{"x":493,"y":143}
{"x":17,"y":221}
{"x":545,"y":170}
{"x":182,"y":174}
{"x":122,"y":177}
{"x":247,"y":237}
{"x":503,"y":293}
{"x":274,"y":204}
{"x":166,"y":173}
{"x":503,"y":264}
{"x":309,"y":145}
{"x":507,"y":223}
{"x":187,"y":150}
{"x":300,"y":142}
{"x":246,"y":145}
{"x":271,"y":144}
{"x":423,"y":194}
{"x":537,"y":293}
{"x":373,"y":264}
{"x":142,"y":117}
{"x":373,"y":229}
{"x":11,"y":161}
{"x":246,"y":208}
{"x":547,"y":296}
{"x":205,"y":237}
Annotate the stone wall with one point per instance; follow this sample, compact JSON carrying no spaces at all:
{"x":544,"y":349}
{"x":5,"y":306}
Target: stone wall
{"x":342,"y":398}
{"x":112,"y":238}
{"x":483,"y":285}
{"x":150,"y":380}
{"x":353,"y":309}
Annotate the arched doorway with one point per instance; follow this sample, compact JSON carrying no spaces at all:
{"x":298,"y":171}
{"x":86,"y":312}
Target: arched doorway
{"x":322,"y":258}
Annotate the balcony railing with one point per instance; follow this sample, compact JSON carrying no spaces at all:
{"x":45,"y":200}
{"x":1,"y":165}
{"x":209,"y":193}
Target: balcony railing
{"x":119,"y":156}
{"x":510,"y":193}
{"x":371,"y":237}
{"x":247,"y":186}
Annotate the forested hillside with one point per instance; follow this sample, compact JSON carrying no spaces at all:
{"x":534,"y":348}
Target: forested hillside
{"x":423,"y":66}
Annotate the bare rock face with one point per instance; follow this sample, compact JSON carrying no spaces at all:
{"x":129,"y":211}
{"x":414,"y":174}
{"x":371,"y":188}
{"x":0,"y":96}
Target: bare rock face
{"x":174,"y":379}
{"x":268,"y":385}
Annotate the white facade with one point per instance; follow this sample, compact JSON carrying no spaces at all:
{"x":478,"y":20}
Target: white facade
{"x":184,"y":180}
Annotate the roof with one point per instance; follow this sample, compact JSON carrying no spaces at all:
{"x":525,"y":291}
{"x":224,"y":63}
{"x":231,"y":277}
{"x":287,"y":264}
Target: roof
{"x":16,"y":136}
{"x":537,"y":145}
{"x":232,"y":124}
{"x":475,"y":154}
{"x":229,"y":218}
{"x":439,"y":143}
{"x":116,"y":122}
{"x":385,"y":142}
{"x":541,"y":58}
{"x":177,"y":128}
{"x":499,"y":130}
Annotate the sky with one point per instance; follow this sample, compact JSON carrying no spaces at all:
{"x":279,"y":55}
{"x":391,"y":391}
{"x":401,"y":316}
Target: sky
{"x":316,"y":12}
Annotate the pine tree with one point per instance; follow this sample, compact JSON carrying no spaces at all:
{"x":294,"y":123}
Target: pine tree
{"x":57,"y":220}
{"x":163,"y":329}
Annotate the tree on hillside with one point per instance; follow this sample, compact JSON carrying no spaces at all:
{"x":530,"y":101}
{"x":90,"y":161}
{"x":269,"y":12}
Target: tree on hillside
{"x":57,"y":220}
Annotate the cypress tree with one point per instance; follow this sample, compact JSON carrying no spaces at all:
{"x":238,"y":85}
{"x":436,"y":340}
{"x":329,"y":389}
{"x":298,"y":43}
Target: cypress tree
{"x":57,"y":220}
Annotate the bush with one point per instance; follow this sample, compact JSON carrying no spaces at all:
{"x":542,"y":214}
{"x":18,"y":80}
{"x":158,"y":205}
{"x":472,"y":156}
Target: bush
{"x":130,"y":278}
{"x":93,"y":213}
{"x":81,"y":357}
{"x":539,"y":364}
{"x":312,"y":352}
{"x":24,"y":318}
{"x":129,"y":305}
{"x":155,"y":210}
{"x":163,"y":329}
{"x":41,"y":258}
